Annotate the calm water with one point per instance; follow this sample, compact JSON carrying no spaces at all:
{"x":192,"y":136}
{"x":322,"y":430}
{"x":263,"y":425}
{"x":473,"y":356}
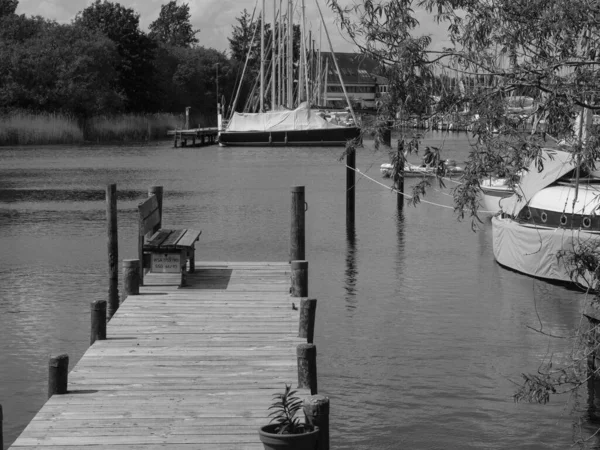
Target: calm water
{"x":419,"y":332}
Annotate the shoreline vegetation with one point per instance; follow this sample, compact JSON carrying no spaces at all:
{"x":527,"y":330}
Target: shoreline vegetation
{"x":27,"y":128}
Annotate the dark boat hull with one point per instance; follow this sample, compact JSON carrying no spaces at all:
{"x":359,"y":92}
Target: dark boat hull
{"x":313,"y":138}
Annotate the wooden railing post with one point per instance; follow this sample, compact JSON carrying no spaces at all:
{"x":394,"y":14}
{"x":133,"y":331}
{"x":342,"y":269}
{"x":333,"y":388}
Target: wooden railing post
{"x":299,"y":271}
{"x":308,"y":308}
{"x":58,"y":372}
{"x":316,"y":407}
{"x":113,"y":249}
{"x":297,"y":235}
{"x":131,"y":277}
{"x":98,"y":316}
{"x":307,"y":367}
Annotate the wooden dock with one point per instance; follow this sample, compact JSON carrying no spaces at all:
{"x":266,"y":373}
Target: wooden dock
{"x":195,"y":136}
{"x":181,"y":368}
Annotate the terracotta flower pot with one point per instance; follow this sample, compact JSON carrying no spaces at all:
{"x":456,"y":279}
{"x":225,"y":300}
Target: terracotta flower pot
{"x":273,"y":441}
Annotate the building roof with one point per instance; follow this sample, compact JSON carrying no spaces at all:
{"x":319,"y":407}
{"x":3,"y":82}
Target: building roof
{"x":354,"y":67}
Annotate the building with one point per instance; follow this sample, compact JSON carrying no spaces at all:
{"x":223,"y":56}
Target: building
{"x":363,"y":86}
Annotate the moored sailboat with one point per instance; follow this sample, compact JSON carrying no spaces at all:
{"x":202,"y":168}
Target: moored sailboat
{"x":549,"y":215}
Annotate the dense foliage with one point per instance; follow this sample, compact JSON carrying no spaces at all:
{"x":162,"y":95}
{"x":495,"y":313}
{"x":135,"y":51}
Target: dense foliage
{"x":103,"y":64}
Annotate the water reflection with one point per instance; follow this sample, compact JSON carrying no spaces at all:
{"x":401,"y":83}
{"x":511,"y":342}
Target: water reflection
{"x":351,"y":271}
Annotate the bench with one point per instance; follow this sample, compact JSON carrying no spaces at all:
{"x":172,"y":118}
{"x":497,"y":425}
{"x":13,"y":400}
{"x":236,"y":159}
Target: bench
{"x":163,"y":250}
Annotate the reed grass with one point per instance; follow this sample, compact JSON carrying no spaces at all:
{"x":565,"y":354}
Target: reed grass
{"x":26,"y":128}
{"x":23,"y":128}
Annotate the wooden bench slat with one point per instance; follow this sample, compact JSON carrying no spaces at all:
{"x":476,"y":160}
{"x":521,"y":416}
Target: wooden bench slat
{"x":147,"y":207}
{"x":171,"y":241}
{"x":188,"y":239}
{"x":157,"y":239}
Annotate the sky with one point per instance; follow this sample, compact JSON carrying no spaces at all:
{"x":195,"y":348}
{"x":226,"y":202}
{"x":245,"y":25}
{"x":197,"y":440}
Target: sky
{"x":215,"y":18}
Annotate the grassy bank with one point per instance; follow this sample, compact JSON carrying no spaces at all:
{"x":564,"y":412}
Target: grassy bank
{"x":23,"y":128}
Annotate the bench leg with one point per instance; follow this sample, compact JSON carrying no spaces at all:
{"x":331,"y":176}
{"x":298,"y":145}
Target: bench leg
{"x":182,"y":259}
{"x":192,"y":260}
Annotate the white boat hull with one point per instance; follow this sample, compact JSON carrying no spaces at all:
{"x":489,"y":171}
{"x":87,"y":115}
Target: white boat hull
{"x":533,"y":250}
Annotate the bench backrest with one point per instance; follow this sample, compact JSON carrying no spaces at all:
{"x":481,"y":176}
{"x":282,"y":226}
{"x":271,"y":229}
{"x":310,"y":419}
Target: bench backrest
{"x":149,"y":214}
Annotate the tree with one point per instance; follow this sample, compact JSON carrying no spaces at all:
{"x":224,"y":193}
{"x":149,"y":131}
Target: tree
{"x":547,"y":49}
{"x":136,"y":50}
{"x":8,"y":7}
{"x":173,"y":26}
{"x":59,"y":68}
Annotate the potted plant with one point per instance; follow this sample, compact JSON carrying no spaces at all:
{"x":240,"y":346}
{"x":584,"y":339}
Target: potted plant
{"x":286,"y":431}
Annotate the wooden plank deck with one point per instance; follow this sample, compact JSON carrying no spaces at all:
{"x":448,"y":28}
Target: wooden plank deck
{"x":182,"y":368}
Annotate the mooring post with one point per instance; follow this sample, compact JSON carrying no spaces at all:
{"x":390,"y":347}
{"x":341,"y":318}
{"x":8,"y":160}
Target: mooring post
{"x":316,"y":407}
{"x":297,"y":235}
{"x":299,"y":276}
{"x":307,"y":367}
{"x":187,"y":117}
{"x":306,"y":329}
{"x":386,"y":135}
{"x":399,"y":177}
{"x":113,"y":249}
{"x":58,"y":372}
{"x":158,"y":191}
{"x":131,"y":277}
{"x":350,"y":185}
{"x":98,"y":316}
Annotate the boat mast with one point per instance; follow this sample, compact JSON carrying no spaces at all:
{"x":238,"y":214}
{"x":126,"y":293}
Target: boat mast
{"x":336,"y":64}
{"x":262,"y":56}
{"x":273,"y":59}
{"x":290,"y":55}
{"x":301,"y":66}
{"x":280,"y":57}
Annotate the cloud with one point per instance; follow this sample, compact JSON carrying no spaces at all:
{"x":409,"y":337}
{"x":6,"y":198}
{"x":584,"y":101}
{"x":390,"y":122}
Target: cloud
{"x":215,"y":18}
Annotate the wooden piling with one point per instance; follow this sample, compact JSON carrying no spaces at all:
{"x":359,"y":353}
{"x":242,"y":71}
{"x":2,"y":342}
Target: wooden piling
{"x":307,"y":367}
{"x":308,"y":308}
{"x":131,"y":277}
{"x":297,"y":235}
{"x":299,"y":275}
{"x":399,"y":177}
{"x":316,"y":407}
{"x":113,"y":249}
{"x":350,"y":185}
{"x":98,"y":318}
{"x":158,"y":191}
{"x":58,"y":372}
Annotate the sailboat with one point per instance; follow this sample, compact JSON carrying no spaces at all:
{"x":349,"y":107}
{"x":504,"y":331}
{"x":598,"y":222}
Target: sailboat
{"x":553,"y":211}
{"x":286,"y":125}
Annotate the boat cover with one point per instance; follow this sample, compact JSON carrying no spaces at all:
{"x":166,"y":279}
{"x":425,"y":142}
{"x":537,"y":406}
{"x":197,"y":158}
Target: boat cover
{"x":556,"y":164}
{"x":533,"y":250}
{"x":301,"y":118}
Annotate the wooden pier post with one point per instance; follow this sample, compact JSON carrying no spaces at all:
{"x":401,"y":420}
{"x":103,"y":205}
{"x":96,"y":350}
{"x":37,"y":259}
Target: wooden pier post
{"x":299,"y":276}
{"x":113,"y":249}
{"x":317,"y":408}
{"x":158,"y":191}
{"x":306,"y":329}
{"x":58,"y":372}
{"x":307,"y":367}
{"x":187,"y":117}
{"x":350,"y":185}
{"x":399,"y":177}
{"x":297,"y":235}
{"x":131,"y":277}
{"x":98,"y":325}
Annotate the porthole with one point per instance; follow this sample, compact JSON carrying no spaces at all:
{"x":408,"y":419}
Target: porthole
{"x":528,"y":214}
{"x":563,"y":220}
{"x":544,"y":216}
{"x":587,"y":222}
